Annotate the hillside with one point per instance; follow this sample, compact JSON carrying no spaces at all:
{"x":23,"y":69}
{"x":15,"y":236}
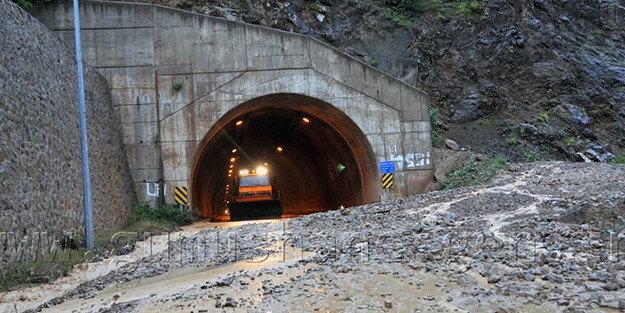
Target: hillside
{"x":528,"y":80}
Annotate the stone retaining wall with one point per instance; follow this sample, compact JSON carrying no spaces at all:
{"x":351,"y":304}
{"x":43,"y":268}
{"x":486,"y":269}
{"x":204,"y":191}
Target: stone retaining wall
{"x":40,"y":159}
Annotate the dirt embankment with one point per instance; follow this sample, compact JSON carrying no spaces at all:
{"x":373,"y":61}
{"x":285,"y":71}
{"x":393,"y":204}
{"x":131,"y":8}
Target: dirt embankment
{"x":542,"y":237}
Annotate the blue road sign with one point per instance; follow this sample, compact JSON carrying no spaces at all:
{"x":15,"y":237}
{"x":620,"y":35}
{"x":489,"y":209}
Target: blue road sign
{"x":387,"y":167}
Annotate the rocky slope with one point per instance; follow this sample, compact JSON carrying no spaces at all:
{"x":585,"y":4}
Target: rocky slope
{"x":527,"y":79}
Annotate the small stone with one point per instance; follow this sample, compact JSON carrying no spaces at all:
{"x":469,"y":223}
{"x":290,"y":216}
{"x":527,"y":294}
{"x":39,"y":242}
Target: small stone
{"x":388,"y":304}
{"x":611,"y":287}
{"x":452,"y":145}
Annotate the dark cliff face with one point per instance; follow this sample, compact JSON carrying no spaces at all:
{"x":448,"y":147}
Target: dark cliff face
{"x":527,"y":79}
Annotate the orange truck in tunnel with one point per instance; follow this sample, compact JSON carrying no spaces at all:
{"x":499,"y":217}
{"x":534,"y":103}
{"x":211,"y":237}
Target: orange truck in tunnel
{"x":254,"y":196}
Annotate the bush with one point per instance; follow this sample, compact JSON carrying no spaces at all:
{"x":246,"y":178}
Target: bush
{"x":29,"y":4}
{"x":436,"y":140}
{"x":177,"y":86}
{"x":619,"y":159}
{"x":570,"y":141}
{"x":475,"y":172}
{"x":531,"y":156}
{"x":511,"y":140}
{"x":543,"y":117}
{"x":163,"y":214}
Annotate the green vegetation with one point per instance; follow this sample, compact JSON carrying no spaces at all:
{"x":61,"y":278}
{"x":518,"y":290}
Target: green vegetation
{"x":29,"y":4}
{"x":164,"y":215}
{"x":475,"y":172}
{"x":531,"y":156}
{"x":570,"y":141}
{"x":396,"y":9}
{"x":511,"y":140}
{"x":490,"y":122}
{"x":436,"y":140}
{"x":177,"y":86}
{"x":399,"y":18}
{"x":315,"y":6}
{"x":619,"y":159}
{"x":543,"y":116}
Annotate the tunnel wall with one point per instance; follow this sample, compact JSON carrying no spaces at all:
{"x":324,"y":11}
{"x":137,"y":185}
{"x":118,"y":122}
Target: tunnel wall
{"x":40,"y":163}
{"x":174,"y":74}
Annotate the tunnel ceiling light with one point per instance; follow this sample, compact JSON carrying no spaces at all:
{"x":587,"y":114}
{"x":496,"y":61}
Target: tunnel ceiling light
{"x":266,"y":164}
{"x":232,"y":160}
{"x":231,"y":165}
{"x":239,"y":123}
{"x":234,"y":150}
{"x":305,"y":120}
{"x":229,"y":171}
{"x":279,"y":149}
{"x":229,"y":175}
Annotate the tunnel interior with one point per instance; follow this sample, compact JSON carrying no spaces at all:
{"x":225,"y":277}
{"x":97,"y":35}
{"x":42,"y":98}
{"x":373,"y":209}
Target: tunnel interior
{"x":317,"y":156}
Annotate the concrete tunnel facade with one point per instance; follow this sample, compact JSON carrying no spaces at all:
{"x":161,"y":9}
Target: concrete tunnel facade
{"x":180,"y":80}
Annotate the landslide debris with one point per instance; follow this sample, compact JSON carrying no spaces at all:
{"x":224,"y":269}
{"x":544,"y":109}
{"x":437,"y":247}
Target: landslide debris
{"x":543,"y":237}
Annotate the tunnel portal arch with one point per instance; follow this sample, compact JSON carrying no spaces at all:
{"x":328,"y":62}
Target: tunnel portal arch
{"x":174,"y":74}
{"x":327,"y":160}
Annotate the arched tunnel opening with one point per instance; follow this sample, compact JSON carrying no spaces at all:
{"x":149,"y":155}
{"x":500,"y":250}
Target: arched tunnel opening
{"x":319,"y":159}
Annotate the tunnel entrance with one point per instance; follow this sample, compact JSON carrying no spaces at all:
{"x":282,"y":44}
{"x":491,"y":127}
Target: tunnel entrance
{"x":318,"y":158}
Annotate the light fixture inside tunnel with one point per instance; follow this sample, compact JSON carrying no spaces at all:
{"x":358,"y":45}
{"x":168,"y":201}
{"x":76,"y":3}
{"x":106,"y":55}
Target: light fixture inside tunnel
{"x":232,"y":160}
{"x":305,"y":120}
{"x":279,"y":149}
{"x":234,"y":150}
{"x":239,"y":123}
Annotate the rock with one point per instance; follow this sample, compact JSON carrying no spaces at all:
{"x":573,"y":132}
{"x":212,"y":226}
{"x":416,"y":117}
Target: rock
{"x":529,"y":277}
{"x":597,"y":152}
{"x":611,"y":286}
{"x":553,"y":278}
{"x":516,"y":38}
{"x":452,"y":145}
{"x":388,"y":304}
{"x":225,"y":282}
{"x":576,"y":115}
{"x":584,"y":158}
{"x":449,"y":218}
{"x":540,"y":4}
{"x":494,"y":278}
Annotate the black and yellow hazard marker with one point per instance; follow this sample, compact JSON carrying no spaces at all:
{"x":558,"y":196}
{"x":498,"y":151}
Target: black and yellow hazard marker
{"x":387,"y":181}
{"x":182,"y":195}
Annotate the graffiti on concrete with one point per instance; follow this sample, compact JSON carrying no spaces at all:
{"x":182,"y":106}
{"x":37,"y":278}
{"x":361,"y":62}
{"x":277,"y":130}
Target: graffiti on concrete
{"x":152,"y":190}
{"x":411,"y":160}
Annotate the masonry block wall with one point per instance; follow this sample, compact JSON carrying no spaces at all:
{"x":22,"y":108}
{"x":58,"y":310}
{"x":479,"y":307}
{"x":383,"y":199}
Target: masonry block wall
{"x":40,"y":158}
